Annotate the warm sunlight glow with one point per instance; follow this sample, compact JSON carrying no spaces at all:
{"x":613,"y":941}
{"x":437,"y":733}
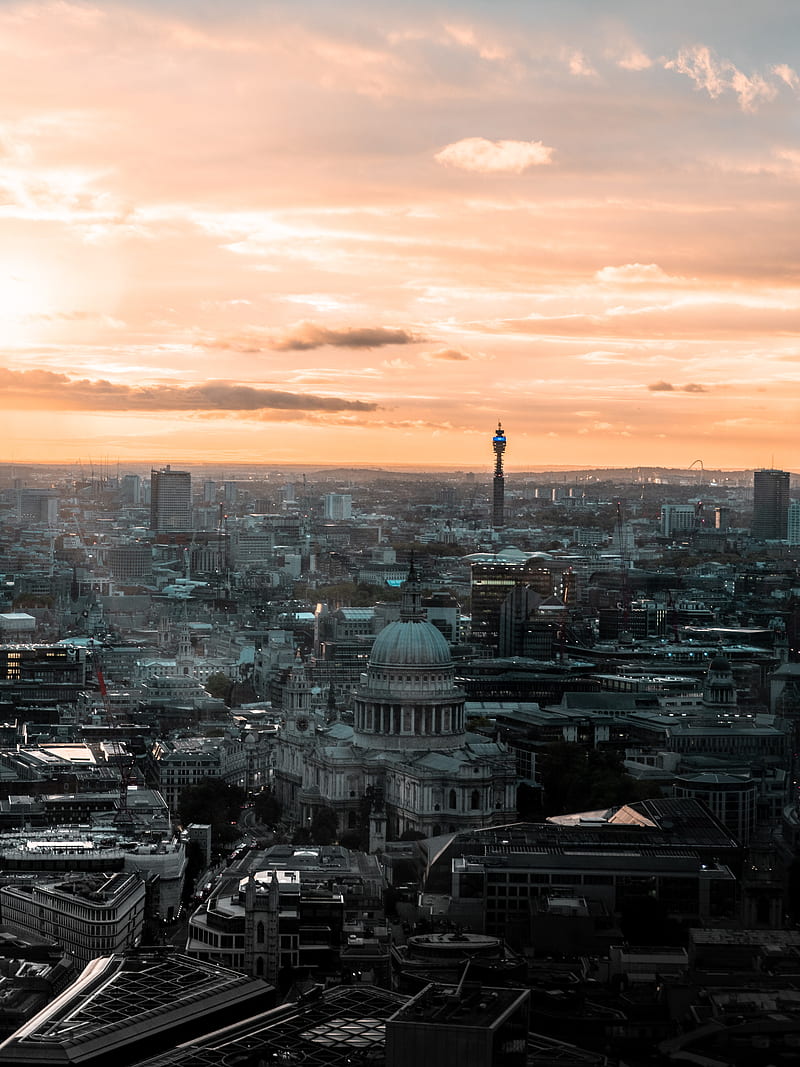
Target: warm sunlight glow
{"x":362,"y":232}
{"x":23,"y":295}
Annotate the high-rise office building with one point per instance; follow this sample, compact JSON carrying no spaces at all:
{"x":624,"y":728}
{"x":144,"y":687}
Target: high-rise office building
{"x":677,"y":519}
{"x":170,"y":500}
{"x":131,"y":490}
{"x":499,"y":481}
{"x":793,"y":523}
{"x":770,"y":505}
{"x":338,"y":506}
{"x":490,"y":585}
{"x":37,"y":505}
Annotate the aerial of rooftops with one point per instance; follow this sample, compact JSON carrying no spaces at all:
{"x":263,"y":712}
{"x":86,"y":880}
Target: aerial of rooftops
{"x":363,"y":736}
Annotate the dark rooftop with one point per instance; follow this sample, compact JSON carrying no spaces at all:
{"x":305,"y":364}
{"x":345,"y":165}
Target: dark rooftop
{"x":328,"y":1029}
{"x":131,"y":1002}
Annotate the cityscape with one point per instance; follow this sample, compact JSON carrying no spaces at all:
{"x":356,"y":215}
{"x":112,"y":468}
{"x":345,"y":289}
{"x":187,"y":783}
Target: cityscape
{"x":334,"y":766}
{"x":399,"y":534}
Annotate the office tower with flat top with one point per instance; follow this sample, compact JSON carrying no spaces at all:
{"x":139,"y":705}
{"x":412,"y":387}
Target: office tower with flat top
{"x":770,"y":505}
{"x":170,"y":500}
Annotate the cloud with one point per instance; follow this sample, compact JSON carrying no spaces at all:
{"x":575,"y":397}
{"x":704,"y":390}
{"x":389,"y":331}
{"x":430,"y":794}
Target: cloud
{"x":718,"y":76}
{"x":309,"y":335}
{"x":787,"y":75}
{"x":78,"y":316}
{"x":453,"y":354}
{"x":580,"y":65}
{"x":668,"y":387}
{"x":632,"y":273}
{"x":634,"y":59}
{"x":248,"y":342}
{"x":494,"y":157}
{"x":36,"y":390}
{"x":602,"y":357}
{"x":684,"y":318}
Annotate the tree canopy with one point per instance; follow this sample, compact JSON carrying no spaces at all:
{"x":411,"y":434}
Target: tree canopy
{"x":575,"y":778}
{"x":219,"y":685}
{"x":212,"y":801}
{"x":267,"y":808}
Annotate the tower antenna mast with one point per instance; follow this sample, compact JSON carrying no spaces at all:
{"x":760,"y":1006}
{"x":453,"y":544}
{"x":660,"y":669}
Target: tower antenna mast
{"x":499,"y":481}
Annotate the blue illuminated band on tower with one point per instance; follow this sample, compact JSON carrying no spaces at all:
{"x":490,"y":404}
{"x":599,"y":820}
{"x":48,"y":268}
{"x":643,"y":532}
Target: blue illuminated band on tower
{"x":498,"y":486}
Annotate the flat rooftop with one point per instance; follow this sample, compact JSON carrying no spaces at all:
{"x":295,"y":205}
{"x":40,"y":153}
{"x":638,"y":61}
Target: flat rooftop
{"x":476,"y":1007}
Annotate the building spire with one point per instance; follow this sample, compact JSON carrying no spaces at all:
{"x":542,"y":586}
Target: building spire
{"x":411,"y":604}
{"x":498,"y":482}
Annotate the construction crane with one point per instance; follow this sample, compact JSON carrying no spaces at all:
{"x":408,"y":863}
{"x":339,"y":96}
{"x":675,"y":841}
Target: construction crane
{"x":564,"y":632}
{"x":625,"y":594}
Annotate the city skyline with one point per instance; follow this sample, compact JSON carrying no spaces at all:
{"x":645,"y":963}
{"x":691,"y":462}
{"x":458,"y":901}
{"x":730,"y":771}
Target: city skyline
{"x":364,"y":234}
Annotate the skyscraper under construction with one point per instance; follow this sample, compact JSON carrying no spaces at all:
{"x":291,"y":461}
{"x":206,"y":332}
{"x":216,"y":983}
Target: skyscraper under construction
{"x":499,"y":481}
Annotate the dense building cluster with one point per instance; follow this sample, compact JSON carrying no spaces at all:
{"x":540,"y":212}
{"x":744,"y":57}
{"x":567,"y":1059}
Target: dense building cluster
{"x":504,"y":754}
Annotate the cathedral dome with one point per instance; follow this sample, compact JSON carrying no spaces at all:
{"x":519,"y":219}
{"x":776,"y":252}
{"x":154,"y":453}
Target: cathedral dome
{"x":410,"y":643}
{"x":719,"y":663}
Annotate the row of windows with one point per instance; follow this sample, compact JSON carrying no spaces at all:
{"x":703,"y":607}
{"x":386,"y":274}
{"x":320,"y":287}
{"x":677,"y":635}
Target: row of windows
{"x":72,"y":911}
{"x":86,"y":933}
{"x":496,"y":882}
{"x":208,"y":937}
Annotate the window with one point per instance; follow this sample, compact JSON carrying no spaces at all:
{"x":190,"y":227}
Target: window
{"x":260,"y":933}
{"x":451,"y":801}
{"x":475,"y":800}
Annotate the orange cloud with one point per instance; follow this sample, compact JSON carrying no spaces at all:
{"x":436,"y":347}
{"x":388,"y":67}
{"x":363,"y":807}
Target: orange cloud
{"x":494,"y":157}
{"x":310,"y":335}
{"x":449,"y":354}
{"x":175,"y":179}
{"x":38,"y":389}
{"x":718,"y":76}
{"x":668,"y":387}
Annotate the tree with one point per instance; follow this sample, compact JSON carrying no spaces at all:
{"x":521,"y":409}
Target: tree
{"x":324,"y":825}
{"x":195,"y":860}
{"x":219,"y":685}
{"x":529,"y":802}
{"x":212,"y":801}
{"x":356,"y":840}
{"x":576,"y":778}
{"x":267,"y":808}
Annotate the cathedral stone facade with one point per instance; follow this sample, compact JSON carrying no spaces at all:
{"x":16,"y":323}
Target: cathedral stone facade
{"x":407,"y":762}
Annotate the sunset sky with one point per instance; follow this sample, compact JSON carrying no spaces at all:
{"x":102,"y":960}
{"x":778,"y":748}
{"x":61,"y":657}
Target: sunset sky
{"x":344,"y":232}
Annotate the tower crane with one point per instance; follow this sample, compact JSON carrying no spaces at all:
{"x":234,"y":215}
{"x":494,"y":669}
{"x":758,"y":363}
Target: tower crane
{"x":625,"y":595}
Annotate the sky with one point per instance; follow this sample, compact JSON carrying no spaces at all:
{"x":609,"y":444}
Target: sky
{"x":363,"y":232}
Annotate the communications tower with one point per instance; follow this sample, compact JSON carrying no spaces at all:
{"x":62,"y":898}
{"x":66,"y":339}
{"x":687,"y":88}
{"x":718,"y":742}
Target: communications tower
{"x":499,"y":481}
